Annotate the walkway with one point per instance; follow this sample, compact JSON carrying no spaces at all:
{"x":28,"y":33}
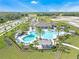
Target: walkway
{"x":71,"y":46}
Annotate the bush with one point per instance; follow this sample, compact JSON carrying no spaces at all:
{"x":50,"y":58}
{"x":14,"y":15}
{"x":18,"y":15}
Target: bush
{"x":21,"y":45}
{"x":54,"y":48}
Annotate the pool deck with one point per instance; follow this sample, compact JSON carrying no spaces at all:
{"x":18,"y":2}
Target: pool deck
{"x":20,"y":38}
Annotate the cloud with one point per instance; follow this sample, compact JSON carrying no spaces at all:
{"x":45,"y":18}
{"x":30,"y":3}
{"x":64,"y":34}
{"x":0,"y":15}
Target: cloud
{"x":14,"y":7}
{"x":67,"y":7}
{"x":34,"y":2}
{"x":70,"y":7}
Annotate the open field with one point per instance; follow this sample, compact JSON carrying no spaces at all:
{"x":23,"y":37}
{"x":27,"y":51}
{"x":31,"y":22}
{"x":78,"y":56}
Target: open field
{"x":13,"y":52}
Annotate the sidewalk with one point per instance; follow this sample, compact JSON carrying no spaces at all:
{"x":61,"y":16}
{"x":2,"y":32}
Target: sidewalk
{"x":71,"y":46}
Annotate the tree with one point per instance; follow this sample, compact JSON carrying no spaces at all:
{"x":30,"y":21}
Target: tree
{"x":35,"y":43}
{"x":66,"y":28}
{"x":39,"y":31}
{"x":2,"y":20}
{"x":31,"y":46}
{"x":61,"y":48}
{"x":78,"y":56}
{"x":58,"y":28}
{"x":49,"y":28}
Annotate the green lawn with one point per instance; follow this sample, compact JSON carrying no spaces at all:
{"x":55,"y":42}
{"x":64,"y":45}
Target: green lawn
{"x":2,"y":43}
{"x":72,"y":55}
{"x":14,"y":52}
{"x":12,"y":32}
{"x":74,"y":40}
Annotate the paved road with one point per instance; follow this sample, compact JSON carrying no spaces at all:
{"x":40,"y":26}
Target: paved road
{"x":70,"y":19}
{"x":74,"y":24}
{"x":10,"y":25}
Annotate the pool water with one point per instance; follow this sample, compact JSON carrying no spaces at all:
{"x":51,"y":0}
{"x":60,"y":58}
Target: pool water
{"x":49,"y":35}
{"x":46,"y":35}
{"x":29,"y":38}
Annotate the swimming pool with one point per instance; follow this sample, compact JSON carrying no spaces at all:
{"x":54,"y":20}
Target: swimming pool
{"x":47,"y":35}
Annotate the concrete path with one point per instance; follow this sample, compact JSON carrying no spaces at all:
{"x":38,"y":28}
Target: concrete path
{"x":72,"y":46}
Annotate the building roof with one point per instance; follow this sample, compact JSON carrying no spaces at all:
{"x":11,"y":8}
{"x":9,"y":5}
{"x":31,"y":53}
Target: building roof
{"x":44,"y":24}
{"x":32,"y":15}
{"x":45,"y":42}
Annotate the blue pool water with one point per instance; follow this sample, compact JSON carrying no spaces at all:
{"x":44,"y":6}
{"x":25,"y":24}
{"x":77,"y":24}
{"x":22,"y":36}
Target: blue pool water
{"x":47,"y":35}
{"x":29,"y":38}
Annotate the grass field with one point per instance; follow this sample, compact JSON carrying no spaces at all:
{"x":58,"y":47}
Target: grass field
{"x":11,"y":33}
{"x":13,"y":52}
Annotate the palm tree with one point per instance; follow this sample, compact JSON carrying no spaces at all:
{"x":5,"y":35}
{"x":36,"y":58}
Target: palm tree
{"x":66,"y":28}
{"x":39,"y":31}
{"x":61,"y":48}
{"x":63,"y":27}
{"x":35,"y":43}
{"x":58,"y":28}
{"x":49,"y":28}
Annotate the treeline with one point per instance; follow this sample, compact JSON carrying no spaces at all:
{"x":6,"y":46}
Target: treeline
{"x":57,"y":13}
{"x":5,"y":16}
{"x":70,"y":13}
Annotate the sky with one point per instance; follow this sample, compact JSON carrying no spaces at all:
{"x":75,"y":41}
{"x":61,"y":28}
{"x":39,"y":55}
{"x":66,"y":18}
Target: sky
{"x":39,"y":5}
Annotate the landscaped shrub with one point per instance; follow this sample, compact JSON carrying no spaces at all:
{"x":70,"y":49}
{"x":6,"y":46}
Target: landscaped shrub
{"x":21,"y":45}
{"x":54,"y":48}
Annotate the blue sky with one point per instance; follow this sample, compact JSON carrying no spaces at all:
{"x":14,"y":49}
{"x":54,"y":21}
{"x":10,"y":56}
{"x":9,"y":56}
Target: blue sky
{"x":39,"y":5}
